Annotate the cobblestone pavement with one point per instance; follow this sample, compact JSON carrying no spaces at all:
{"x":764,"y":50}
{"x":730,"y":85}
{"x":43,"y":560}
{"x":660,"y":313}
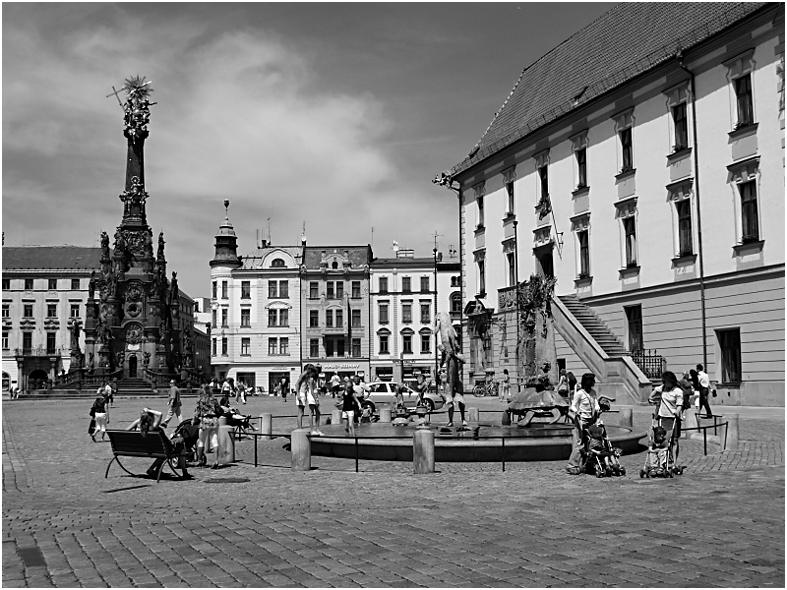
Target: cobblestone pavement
{"x":469,"y":525}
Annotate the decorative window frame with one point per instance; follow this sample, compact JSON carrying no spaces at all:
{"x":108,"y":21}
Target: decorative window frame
{"x":737,"y":67}
{"x":479,"y":257}
{"x":509,"y":178}
{"x":479,"y":192}
{"x":580,"y":223}
{"x":624,"y":119}
{"x":677,"y":192}
{"x":739,"y":173}
{"x":579,"y":142}
{"x":678,"y":94}
{"x":544,"y":206}
{"x":627,"y":209}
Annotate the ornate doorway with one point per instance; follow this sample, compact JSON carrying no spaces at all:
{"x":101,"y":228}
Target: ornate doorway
{"x":132,"y":366}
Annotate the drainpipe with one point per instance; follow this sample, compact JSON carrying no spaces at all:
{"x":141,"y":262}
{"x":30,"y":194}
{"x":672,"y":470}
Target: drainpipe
{"x":516,"y":302}
{"x":680,"y":58}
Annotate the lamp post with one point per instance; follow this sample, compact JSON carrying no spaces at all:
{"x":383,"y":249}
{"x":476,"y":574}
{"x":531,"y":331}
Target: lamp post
{"x":436,"y":360}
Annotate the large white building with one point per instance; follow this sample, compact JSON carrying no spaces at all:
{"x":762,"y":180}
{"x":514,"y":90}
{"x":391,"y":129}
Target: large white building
{"x":405,"y":293}
{"x":255,"y":312}
{"x":641,"y":163}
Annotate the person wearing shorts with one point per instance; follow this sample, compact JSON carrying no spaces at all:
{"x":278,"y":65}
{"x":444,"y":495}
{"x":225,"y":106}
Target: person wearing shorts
{"x":306,"y":395}
{"x":454,"y":390}
{"x":350,"y":407}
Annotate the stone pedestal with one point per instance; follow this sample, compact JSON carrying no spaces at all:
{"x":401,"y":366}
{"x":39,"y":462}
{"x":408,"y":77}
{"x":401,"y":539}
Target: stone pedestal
{"x":266,"y":425}
{"x":226,"y":448}
{"x":423,"y":451}
{"x":301,"y":450}
{"x":472,"y":414}
{"x":385,"y":415}
{"x":336,"y":416}
{"x":733,"y":433}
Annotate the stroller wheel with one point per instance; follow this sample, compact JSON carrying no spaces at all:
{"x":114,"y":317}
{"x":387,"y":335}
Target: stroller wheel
{"x":622,"y":471}
{"x":641,"y":473}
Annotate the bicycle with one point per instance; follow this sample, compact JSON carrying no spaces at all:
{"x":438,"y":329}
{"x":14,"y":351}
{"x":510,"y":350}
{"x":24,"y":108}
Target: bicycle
{"x":490,"y":389}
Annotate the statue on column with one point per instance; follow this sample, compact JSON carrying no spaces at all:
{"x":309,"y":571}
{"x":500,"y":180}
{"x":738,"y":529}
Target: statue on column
{"x":173,"y":289}
{"x":75,"y":335}
{"x":104,"y":245}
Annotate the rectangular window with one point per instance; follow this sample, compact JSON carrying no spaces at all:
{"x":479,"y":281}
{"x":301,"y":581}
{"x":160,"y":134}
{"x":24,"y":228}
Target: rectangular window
{"x":339,"y":318}
{"x":273,"y":346}
{"x":685,"y":246}
{"x":314,"y":318}
{"x":383,"y":284}
{"x":356,"y":289}
{"x":284,"y":346}
{"x":224,"y":294}
{"x":750,"y":217}
{"x":5,"y":340}
{"x":273,"y":318}
{"x":425,"y":313}
{"x":27,"y":341}
{"x":543,"y":175}
{"x":407,"y":313}
{"x":273,"y":289}
{"x":584,"y":254}
{"x":51,"y":342}
{"x":356,"y":347}
{"x":407,"y":343}
{"x":356,"y":318}
{"x":328,"y":347}
{"x":223,"y":318}
{"x":630,"y":229}
{"x":511,"y":199}
{"x":383,"y":313}
{"x":245,"y":345}
{"x":384,"y":344}
{"x":634,"y":319}
{"x":245,"y":289}
{"x":329,"y":318}
{"x":745,"y":105}
{"x":29,"y":285}
{"x":213,"y":319}
{"x":424,"y":284}
{"x":313,"y":290}
{"x":456,"y":303}
{"x":329,"y":290}
{"x":481,"y":277}
{"x":426,"y":340}
{"x":75,"y":284}
{"x":511,"y":269}
{"x":6,"y":284}
{"x":340,"y":347}
{"x":52,"y":284}
{"x":314,"y":347}
{"x":284,"y":318}
{"x":681,"y":127}
{"x":214,"y":347}
{"x":406,"y":285}
{"x":6,"y":310}
{"x":480,"y":204}
{"x":75,"y":310}
{"x":245,"y":318}
{"x":339,"y":289}
{"x":215,"y":290}
{"x":284,"y":290}
{"x":582,"y":167}
{"x":27,"y":310}
{"x":224,"y":346}
{"x":730,"y":346}
{"x":51,"y":310}
{"x":626,"y":150}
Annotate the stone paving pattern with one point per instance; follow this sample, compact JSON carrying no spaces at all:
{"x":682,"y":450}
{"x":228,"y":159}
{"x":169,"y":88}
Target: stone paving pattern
{"x":469,"y":525}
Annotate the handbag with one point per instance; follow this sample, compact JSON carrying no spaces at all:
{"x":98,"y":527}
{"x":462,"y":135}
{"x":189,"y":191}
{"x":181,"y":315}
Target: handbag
{"x":91,"y":428}
{"x":713,"y":392}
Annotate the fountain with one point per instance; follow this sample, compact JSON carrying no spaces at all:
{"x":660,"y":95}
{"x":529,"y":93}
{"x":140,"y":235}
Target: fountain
{"x":534,"y":425}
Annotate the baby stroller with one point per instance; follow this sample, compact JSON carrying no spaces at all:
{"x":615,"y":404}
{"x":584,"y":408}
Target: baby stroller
{"x":191,"y":451}
{"x":601,"y":457}
{"x":242,"y":424}
{"x":660,"y":459}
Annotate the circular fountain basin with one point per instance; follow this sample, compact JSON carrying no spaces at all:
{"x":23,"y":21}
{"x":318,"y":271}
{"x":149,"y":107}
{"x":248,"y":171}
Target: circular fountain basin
{"x":481,"y":443}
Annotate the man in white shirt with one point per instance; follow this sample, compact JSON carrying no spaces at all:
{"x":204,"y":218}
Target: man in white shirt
{"x":704,"y":382}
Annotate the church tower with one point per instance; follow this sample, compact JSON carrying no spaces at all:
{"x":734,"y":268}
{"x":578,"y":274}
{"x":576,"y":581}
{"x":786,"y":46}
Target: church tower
{"x":133,"y":327}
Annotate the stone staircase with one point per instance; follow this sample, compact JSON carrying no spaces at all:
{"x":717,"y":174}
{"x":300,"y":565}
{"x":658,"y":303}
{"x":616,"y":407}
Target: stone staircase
{"x":605,"y":338}
{"x":129,"y":386}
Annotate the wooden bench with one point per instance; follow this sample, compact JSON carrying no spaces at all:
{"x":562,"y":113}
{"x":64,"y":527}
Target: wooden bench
{"x":131,"y":443}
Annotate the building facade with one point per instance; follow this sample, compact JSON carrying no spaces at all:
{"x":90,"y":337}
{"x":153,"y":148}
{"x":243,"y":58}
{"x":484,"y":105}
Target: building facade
{"x":335,"y":320}
{"x":45,"y":290}
{"x":640,"y":163}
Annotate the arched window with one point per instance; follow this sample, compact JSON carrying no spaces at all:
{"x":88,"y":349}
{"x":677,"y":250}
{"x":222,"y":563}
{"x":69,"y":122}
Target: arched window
{"x":456,"y":303}
{"x":334,"y":264}
{"x":277,"y":263}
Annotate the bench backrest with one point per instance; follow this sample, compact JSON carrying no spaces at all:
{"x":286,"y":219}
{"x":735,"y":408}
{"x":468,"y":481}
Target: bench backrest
{"x":130,"y":442}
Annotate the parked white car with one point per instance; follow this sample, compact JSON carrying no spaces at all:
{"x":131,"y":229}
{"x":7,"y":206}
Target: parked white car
{"x":383,"y":394}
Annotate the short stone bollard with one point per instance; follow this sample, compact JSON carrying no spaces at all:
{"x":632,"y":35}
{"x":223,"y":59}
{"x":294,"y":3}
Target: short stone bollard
{"x":385,"y":415}
{"x":266,"y":425}
{"x":423,"y":451}
{"x":301,"y":450}
{"x":336,"y":416}
{"x":226,"y":448}
{"x":472,"y":414}
{"x":626,"y":418}
{"x":733,"y":434}
{"x":690,"y":424}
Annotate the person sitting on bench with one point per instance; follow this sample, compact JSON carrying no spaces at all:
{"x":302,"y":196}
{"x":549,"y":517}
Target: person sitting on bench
{"x":150,"y":421}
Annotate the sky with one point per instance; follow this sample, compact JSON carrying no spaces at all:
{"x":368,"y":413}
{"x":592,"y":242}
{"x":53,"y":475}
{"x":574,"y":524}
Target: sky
{"x":333,"y":115}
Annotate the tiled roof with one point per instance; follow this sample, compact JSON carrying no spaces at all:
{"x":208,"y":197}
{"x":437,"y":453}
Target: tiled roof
{"x":359,"y":255}
{"x":51,"y":258}
{"x":403,"y":262}
{"x":253,"y":260}
{"x":621,"y":44}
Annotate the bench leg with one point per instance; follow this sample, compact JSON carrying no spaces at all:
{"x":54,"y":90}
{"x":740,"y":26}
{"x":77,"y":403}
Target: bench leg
{"x":106,"y":474}
{"x":174,"y":469}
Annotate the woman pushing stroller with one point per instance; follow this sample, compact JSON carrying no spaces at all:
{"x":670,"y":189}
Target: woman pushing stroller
{"x":584,"y":412}
{"x":665,"y":432}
